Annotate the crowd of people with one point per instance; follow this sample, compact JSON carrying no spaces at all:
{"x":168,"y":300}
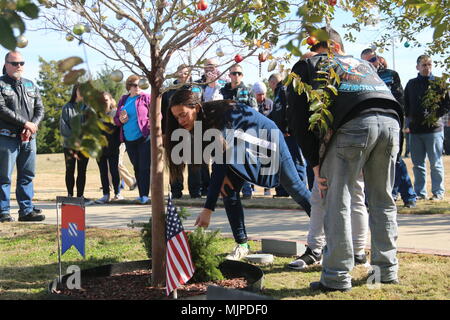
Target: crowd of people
{"x":340,"y":178}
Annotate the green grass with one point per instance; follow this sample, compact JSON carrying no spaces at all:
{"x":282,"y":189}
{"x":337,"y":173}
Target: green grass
{"x":28,"y":262}
{"x":29,"y":255}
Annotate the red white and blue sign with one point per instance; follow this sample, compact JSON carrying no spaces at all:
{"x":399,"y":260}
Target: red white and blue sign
{"x":72,"y":228}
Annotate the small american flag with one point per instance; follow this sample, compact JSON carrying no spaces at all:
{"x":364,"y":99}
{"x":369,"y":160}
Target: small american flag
{"x":179,"y":266}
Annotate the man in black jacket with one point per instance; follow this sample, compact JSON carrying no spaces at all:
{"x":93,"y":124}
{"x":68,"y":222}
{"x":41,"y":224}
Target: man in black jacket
{"x":392,"y":79}
{"x":21,"y":110}
{"x":426,"y":139}
{"x":363,"y":136}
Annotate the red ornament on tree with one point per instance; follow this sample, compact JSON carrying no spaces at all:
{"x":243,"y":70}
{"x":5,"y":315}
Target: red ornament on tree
{"x":311,"y":40}
{"x":202,"y":5}
{"x":238,"y":58}
{"x":332,"y":2}
{"x":262,"y":57}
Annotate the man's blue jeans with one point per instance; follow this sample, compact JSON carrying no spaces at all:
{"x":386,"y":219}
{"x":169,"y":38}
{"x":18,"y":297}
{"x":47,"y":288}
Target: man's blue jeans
{"x":290,"y":181}
{"x":403,"y":183}
{"x":23,"y":155}
{"x":427,"y":145}
{"x":299,"y":162}
{"x":369,"y":142}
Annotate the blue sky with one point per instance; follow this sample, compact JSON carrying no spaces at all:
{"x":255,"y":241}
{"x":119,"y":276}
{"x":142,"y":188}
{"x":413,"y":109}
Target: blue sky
{"x":53,"y":46}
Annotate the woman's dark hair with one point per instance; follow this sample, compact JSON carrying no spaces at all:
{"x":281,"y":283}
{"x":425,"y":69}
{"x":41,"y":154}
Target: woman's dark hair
{"x":73,"y":97}
{"x":211,"y":114}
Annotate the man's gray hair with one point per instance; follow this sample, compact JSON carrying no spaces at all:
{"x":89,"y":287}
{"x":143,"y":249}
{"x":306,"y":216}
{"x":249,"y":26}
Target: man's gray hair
{"x":7,"y":55}
{"x":276,"y":76}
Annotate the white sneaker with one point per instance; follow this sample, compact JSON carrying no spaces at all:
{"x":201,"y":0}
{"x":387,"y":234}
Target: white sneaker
{"x":118,"y":197}
{"x":307,"y":259}
{"x":239,"y":252}
{"x":103,"y":200}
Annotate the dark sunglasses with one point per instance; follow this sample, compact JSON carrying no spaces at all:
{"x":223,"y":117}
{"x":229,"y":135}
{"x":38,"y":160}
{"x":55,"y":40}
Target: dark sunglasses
{"x":16,"y":64}
{"x":236,"y":73}
{"x":373,"y":59}
{"x":133,"y":84}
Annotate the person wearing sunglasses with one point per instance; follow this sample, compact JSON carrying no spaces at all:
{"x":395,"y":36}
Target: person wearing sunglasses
{"x":132,"y":118}
{"x":21,"y":111}
{"x":362,"y":136}
{"x":238,"y":91}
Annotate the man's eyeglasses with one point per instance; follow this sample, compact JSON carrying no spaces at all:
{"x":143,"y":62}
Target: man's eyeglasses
{"x":133,"y":84}
{"x":236,"y":73}
{"x":373,"y":59}
{"x":16,"y":64}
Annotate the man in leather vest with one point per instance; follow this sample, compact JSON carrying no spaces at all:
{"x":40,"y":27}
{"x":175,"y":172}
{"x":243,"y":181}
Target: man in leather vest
{"x":21,"y":110}
{"x":363,"y":136}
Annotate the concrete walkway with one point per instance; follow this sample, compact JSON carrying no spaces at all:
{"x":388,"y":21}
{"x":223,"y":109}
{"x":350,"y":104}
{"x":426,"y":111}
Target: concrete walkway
{"x":417,"y":233}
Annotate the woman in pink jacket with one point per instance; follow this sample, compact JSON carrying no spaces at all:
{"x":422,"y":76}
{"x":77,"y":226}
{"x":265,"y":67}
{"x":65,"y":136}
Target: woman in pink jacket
{"x":132,"y":118}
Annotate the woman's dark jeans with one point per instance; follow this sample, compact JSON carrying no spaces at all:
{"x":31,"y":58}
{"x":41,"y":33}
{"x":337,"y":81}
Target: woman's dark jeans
{"x":111,"y":161}
{"x":290,"y":181}
{"x":139,"y":153}
{"x":81,"y":163}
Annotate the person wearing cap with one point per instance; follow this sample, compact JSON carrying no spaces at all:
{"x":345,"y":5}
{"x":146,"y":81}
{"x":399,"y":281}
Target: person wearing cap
{"x":362,"y":135}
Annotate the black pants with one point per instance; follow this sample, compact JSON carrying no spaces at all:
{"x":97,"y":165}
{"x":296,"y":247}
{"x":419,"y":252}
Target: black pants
{"x":447,"y":140}
{"x":194,"y":183}
{"x":72,"y":159}
{"x":113,"y":162}
{"x":139,"y":153}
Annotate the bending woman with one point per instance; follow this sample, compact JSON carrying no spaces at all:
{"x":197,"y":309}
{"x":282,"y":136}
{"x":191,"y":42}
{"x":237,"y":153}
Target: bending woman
{"x":239,"y":126}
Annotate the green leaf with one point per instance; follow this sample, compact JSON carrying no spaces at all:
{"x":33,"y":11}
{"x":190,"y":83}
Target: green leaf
{"x":15,"y":21}
{"x":333,"y":89}
{"x":31,"y":10}
{"x":68,"y":63}
{"x":315,"y":117}
{"x":72,"y":76}
{"x":7,"y":38}
{"x":316,"y":105}
{"x":438,"y":31}
{"x":328,"y":114}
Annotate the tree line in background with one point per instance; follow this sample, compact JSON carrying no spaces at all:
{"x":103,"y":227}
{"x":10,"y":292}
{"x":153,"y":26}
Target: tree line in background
{"x":55,"y":94}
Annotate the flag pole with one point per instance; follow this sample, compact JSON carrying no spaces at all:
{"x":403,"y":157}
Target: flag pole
{"x":59,"y":246}
{"x":175,"y":294}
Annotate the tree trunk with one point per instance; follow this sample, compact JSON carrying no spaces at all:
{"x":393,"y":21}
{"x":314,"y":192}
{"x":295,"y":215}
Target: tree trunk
{"x":157,"y":192}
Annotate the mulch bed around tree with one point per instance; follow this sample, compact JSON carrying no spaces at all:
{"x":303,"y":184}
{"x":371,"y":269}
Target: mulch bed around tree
{"x":136,"y":286}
